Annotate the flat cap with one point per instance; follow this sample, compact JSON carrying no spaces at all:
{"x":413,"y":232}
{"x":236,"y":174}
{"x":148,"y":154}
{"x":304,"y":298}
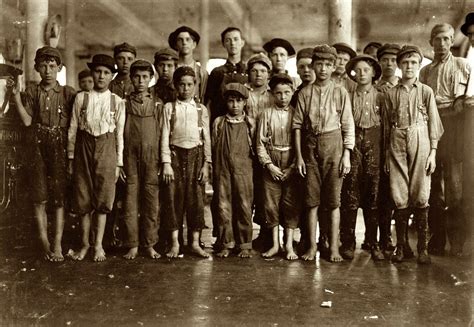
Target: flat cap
{"x":174,"y":36}
{"x":372,"y":44}
{"x":324,"y":51}
{"x":468,"y":22}
{"x":344,"y":47}
{"x":304,"y":53}
{"x":364,"y":57}
{"x":165,"y":54}
{"x":274,"y":43}
{"x":48,"y":52}
{"x":388,"y":48}
{"x":409,"y":49}
{"x":235,"y":88}
{"x":280,"y":78}
{"x":142,"y":65}
{"x":125,"y":47}
{"x":183,"y":71}
{"x":102,"y":60}
{"x":259,"y":58}
{"x":84,"y":73}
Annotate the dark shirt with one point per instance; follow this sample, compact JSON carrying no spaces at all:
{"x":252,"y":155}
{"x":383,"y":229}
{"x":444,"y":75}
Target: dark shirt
{"x":164,"y":90}
{"x":121,"y":85}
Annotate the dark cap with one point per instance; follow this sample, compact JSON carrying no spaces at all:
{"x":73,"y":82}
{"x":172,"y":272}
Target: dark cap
{"x":388,"y":48}
{"x":141,"y":64}
{"x":165,"y":54}
{"x":344,"y":47}
{"x":235,"y":88}
{"x":125,"y":47}
{"x":48,"y":52}
{"x":84,"y":73}
{"x":304,"y":53}
{"x":173,"y":36}
{"x":409,"y":49}
{"x":259,"y":58}
{"x":102,"y":60}
{"x":364,"y":57}
{"x":280,"y":78}
{"x":324,"y":51}
{"x":468,"y":22}
{"x":183,"y":71}
{"x":274,"y":43}
{"x":372,"y":44}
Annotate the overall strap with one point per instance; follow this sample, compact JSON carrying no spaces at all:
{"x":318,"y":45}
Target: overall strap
{"x":199,"y":122}
{"x":85,"y":103}
{"x":173,"y":117}
{"x":112,"y":102}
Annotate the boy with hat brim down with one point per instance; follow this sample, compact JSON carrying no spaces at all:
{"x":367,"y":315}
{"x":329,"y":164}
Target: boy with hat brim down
{"x":279,"y":50}
{"x":95,"y":149}
{"x":371,"y":49}
{"x":360,"y":188}
{"x":281,"y":185}
{"x":186,"y":158}
{"x":46,"y":107}
{"x":232,"y":139}
{"x":448,"y":77}
{"x":344,"y":54}
{"x":141,"y":163}
{"x":184,"y":40}
{"x":412,"y":129}
{"x":324,"y":137}
{"x":86,"y":82}
{"x":165,"y":62}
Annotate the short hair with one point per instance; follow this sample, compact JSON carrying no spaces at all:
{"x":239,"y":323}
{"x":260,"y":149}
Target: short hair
{"x":229,"y":29}
{"x":182,"y":71}
{"x":84,"y":73}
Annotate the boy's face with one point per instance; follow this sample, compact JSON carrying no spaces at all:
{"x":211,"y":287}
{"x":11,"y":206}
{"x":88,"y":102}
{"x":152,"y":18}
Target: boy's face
{"x":86,"y":83}
{"x":124,"y":60}
{"x":140,"y":80}
{"x":388,"y":62}
{"x":363,"y":73}
{"x":279,"y":57}
{"x":48,"y":70}
{"x":235,"y":104}
{"x":165,"y":69}
{"x":102,"y":77}
{"x":442,"y":43}
{"x":282,"y":94}
{"x":185,"y":87}
{"x":305,"y":70}
{"x":409,"y":65}
{"x":341,"y":61}
{"x":258,"y":75}
{"x":323,"y":69}
{"x":233,"y":43}
{"x":185,"y":43}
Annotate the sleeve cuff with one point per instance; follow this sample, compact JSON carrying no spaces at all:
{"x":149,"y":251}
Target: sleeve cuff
{"x":434,"y":144}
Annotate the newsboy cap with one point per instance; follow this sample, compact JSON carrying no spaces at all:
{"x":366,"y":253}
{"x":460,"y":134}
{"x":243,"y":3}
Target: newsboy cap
{"x":235,"y":88}
{"x":259,"y":58}
{"x":388,"y":48}
{"x":165,"y":54}
{"x":141,"y":64}
{"x":174,"y":36}
{"x":409,"y":49}
{"x":102,"y":60}
{"x":304,"y":53}
{"x":48,"y":52}
{"x":324,"y":51}
{"x":125,"y":47}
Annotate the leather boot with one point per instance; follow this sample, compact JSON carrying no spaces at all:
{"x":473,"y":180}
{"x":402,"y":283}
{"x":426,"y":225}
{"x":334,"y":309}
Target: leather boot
{"x":401,"y":223}
{"x":421,"y":219}
{"x":348,"y":224}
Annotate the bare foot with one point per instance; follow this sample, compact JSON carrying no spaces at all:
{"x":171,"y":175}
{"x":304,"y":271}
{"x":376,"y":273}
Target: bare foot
{"x":57,"y":255}
{"x":99,"y":254}
{"x":131,"y":254}
{"x":46,"y":251}
{"x":245,"y":253}
{"x":310,"y":254}
{"x":224,"y":253}
{"x":270,"y":253}
{"x":291,"y":255}
{"x":78,"y":255}
{"x":196,"y":249}
{"x":150,"y":251}
{"x":335,"y":256}
{"x":173,"y":252}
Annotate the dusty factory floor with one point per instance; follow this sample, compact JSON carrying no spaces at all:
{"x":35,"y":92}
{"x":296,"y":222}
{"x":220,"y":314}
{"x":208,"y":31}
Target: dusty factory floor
{"x":227,"y":292}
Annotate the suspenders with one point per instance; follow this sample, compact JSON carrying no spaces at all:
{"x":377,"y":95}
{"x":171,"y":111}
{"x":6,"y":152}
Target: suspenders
{"x":199,"y":122}
{"x":85,"y":103}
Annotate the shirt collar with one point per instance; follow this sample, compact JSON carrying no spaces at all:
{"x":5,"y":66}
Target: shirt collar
{"x":370,"y":90}
{"x":416,"y":83}
{"x":282,"y":109}
{"x":186,"y":102}
{"x":56,"y":88}
{"x":140,"y":96}
{"x":238,"y":66}
{"x":234,"y":120}
{"x":443,"y":59}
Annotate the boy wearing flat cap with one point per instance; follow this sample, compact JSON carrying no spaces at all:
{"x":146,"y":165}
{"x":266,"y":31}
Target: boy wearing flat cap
{"x":324,"y":137}
{"x":46,"y":107}
{"x":387,"y":57}
{"x":281,"y":189}
{"x":184,"y":40}
{"x":124,"y":55}
{"x":448,"y":77}
{"x":141,"y":163}
{"x":186,"y":158}
{"x":95,"y":149}
{"x":232,"y":139}
{"x":165,"y":63}
{"x":360,"y":188}
{"x":344,"y":54}
{"x":371,"y":49}
{"x":412,"y":129}
{"x":279,"y":50}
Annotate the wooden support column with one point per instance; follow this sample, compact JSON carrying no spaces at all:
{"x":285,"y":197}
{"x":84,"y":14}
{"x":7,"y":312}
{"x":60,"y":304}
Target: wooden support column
{"x":36,"y":16}
{"x":204,"y":33}
{"x":70,"y":45}
{"x":340,"y":21}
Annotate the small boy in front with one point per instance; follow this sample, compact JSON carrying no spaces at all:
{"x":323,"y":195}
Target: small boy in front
{"x":275,"y":153}
{"x":412,"y":129}
{"x":86,"y":82}
{"x":324,"y":138}
{"x":95,"y":147}
{"x":186,"y":158}
{"x":141,"y":163}
{"x":232,"y":137}
{"x":47,"y":109}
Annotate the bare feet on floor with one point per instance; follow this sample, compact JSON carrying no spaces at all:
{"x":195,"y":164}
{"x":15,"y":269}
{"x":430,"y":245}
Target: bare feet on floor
{"x":151,"y":253}
{"x":224,"y":253}
{"x":99,"y":254}
{"x":309,"y":255}
{"x":290,"y":253}
{"x":335,"y":256}
{"x":245,"y":253}
{"x":46,"y":251}
{"x":131,"y":254}
{"x":196,"y":249}
{"x":78,"y":255}
{"x":57,"y":255}
{"x":173,"y":252}
{"x":270,"y":253}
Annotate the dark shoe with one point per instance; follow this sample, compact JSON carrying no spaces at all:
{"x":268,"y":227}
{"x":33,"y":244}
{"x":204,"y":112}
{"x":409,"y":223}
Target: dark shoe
{"x":424,"y":258}
{"x":408,"y":252}
{"x":347,"y":254}
{"x":365,"y":246}
{"x":398,"y":254}
{"x":377,"y":255}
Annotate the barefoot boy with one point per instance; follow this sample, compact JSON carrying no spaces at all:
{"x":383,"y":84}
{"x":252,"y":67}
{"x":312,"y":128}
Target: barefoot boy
{"x":232,"y":136}
{"x":186,"y":157}
{"x":324,"y":137}
{"x":141,"y":163}
{"x":47,"y":109}
{"x":275,"y":153}
{"x":95,"y":146}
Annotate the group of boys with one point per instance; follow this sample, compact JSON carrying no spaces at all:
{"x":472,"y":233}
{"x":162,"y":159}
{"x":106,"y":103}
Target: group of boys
{"x":351,"y":135}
